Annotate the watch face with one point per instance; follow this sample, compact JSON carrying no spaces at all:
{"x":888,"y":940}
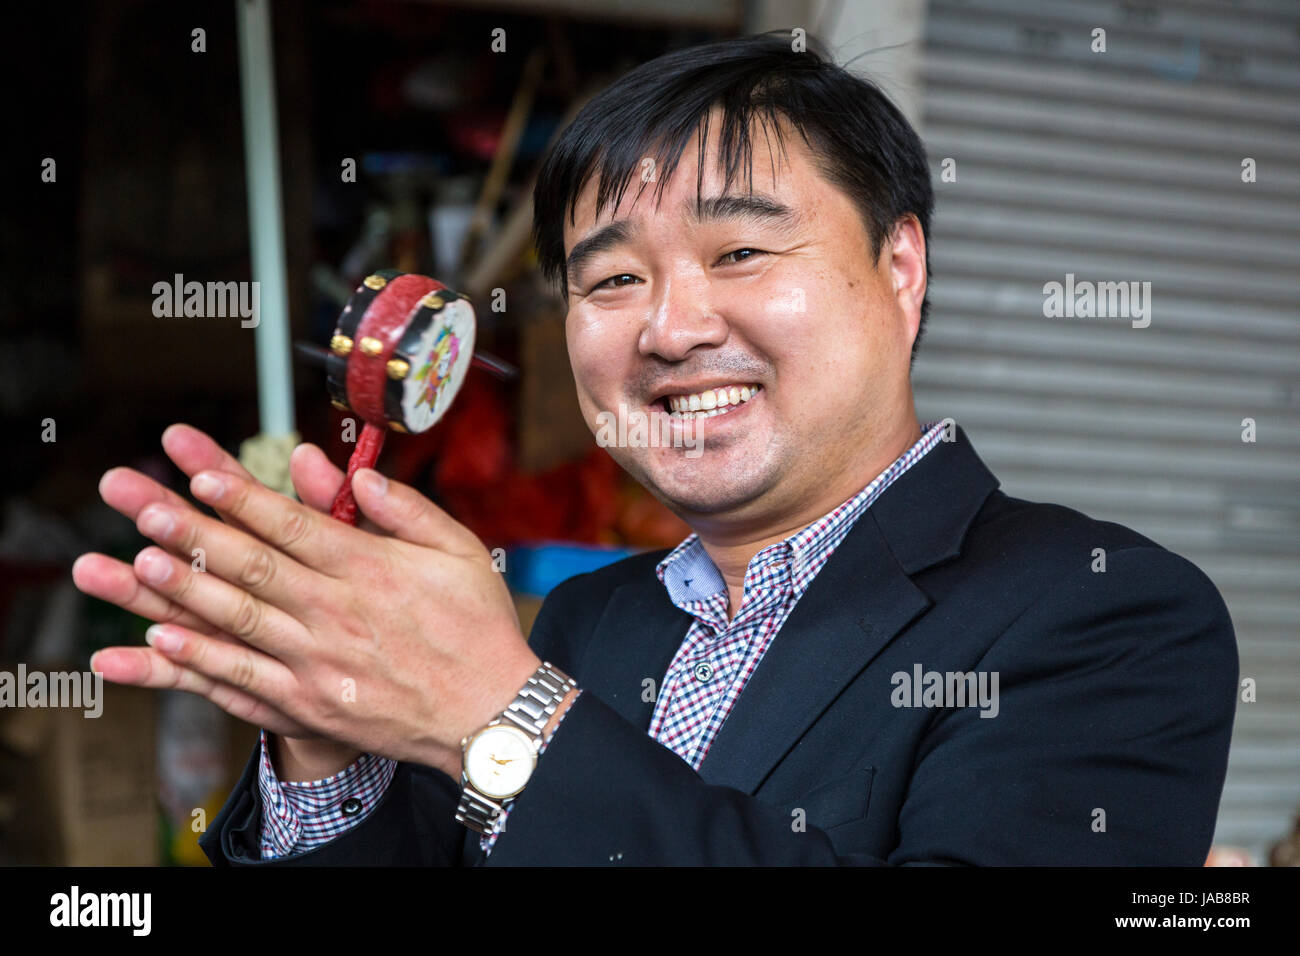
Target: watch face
{"x":499,"y":761}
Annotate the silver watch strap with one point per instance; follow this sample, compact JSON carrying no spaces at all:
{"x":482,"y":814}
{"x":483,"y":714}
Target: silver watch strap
{"x":530,"y":711}
{"x":538,"y":700}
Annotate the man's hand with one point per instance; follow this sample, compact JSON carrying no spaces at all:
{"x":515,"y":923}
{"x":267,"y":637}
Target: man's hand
{"x":108,"y":579}
{"x":301,"y":754}
{"x":398,"y":646}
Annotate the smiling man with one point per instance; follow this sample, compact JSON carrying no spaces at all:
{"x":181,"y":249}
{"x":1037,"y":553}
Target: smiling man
{"x":740,"y":232}
{"x":766,"y":324}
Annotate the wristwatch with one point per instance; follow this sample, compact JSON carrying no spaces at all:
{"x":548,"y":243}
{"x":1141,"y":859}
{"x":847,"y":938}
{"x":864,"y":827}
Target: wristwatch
{"x":500,"y":758}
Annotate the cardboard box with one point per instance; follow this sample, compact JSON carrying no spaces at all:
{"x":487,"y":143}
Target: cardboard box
{"x":85,"y":793}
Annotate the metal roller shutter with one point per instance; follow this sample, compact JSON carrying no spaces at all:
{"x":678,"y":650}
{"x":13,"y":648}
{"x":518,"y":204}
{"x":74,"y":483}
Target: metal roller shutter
{"x":1127,"y":166}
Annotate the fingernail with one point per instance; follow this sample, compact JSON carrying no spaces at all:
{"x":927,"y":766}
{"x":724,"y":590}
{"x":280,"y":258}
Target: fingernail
{"x":377,"y":483}
{"x":162,"y":639}
{"x":154,"y":568}
{"x":207,"y":486}
{"x":156,"y":523}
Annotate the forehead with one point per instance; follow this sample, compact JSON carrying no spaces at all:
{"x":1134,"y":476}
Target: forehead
{"x":778,"y":165}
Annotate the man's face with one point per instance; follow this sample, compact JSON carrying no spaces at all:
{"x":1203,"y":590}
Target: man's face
{"x":773,"y":294}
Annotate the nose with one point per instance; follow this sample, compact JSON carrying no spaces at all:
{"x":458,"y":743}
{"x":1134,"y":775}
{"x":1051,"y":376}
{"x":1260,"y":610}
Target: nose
{"x":682,"y":317}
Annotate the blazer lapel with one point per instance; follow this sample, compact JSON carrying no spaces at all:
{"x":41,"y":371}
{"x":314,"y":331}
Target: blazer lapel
{"x":859,"y":601}
{"x":636,"y":638}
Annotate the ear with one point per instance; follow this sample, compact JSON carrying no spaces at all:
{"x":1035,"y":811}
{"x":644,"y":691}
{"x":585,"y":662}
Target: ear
{"x":906,"y":251}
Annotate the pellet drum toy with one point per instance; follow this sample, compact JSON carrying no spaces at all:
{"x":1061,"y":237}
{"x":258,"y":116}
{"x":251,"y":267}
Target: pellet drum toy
{"x":398,"y":356}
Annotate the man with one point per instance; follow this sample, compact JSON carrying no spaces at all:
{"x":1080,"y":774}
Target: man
{"x":866,"y":652}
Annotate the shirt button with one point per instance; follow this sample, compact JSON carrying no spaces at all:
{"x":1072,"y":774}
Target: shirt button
{"x":704,"y":672}
{"x":351,"y":806}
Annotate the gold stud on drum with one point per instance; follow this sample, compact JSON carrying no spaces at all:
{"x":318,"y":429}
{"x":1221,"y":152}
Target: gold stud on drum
{"x":432,"y":301}
{"x":375,"y":282}
{"x":370,"y":346}
{"x":341,"y":345}
{"x":398,"y":369}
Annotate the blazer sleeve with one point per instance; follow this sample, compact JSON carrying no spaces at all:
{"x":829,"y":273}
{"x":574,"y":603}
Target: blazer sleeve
{"x":1116,"y":700}
{"x":1110,"y":747}
{"x":415,"y":821}
{"x":413,"y":825}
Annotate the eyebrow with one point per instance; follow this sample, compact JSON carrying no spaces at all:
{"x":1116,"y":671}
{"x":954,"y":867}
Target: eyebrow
{"x":754,"y":208}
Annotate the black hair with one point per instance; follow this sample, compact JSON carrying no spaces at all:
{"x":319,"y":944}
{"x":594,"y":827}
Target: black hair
{"x":863,"y":143}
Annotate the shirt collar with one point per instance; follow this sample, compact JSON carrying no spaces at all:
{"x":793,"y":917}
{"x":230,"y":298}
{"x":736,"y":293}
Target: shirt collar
{"x":692,"y":579}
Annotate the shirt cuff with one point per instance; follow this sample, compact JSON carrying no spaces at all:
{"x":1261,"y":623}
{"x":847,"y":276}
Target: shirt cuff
{"x":488,"y":840}
{"x":297,"y":816}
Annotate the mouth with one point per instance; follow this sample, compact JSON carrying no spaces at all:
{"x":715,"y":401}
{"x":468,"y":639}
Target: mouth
{"x":709,"y":402}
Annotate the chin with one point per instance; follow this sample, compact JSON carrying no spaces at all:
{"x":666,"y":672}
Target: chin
{"x":688,"y":489}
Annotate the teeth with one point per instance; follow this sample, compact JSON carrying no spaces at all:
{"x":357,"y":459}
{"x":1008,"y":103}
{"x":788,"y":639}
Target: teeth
{"x":714,"y":401}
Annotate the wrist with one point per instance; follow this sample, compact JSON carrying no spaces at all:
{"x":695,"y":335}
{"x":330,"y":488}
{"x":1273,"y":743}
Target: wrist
{"x":297,"y":759}
{"x":499,"y":759}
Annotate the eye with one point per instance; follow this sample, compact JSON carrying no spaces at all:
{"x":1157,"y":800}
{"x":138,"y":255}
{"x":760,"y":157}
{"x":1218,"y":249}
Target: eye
{"x":740,"y":255}
{"x":614,"y":282}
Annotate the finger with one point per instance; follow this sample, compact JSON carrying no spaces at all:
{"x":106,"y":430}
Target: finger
{"x":238,"y":666}
{"x":409,"y":515}
{"x":114,"y":581}
{"x":127,"y":491}
{"x":317,"y":482}
{"x":235,"y":611}
{"x":146,"y":667}
{"x":314,"y":539}
{"x":239,"y":558}
{"x":194,"y":451}
{"x":315,"y":477}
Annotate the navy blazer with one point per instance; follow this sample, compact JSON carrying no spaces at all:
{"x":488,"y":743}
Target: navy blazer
{"x":1116,"y":697}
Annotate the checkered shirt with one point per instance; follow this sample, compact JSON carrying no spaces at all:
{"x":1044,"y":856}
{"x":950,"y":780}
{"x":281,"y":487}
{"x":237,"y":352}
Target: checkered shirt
{"x":718,"y":656}
{"x":700,"y":688}
{"x":299,"y":816}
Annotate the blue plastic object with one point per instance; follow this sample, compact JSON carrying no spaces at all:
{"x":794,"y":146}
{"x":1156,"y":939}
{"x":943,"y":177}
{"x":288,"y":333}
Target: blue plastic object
{"x":536,"y":569}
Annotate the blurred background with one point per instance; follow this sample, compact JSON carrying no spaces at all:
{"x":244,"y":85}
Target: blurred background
{"x":1109,"y":140}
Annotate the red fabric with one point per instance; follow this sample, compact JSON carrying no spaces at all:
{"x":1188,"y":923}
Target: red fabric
{"x":479,"y":482}
{"x":471,"y":458}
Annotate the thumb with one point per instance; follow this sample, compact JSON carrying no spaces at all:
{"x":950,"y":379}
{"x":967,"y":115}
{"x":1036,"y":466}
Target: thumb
{"x":408,"y":515}
{"x":315,"y":477}
{"x":317,"y":481}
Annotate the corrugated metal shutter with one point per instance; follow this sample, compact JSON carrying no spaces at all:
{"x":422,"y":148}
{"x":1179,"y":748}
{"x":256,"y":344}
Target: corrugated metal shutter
{"x":1117,"y":166}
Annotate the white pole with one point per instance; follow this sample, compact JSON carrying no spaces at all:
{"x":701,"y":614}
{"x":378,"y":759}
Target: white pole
{"x":265,"y":218}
